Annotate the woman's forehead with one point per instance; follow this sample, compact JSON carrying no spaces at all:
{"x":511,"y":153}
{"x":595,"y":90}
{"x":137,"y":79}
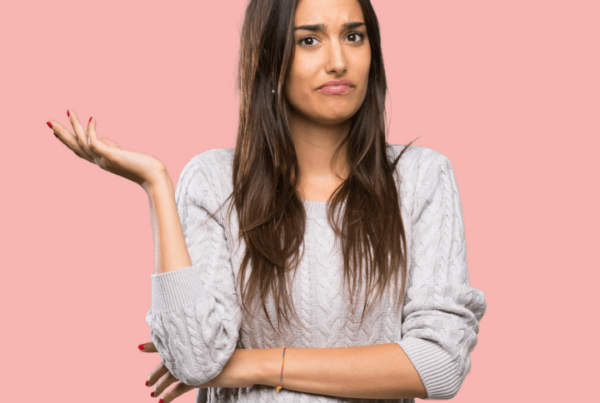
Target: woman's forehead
{"x":331,"y":13}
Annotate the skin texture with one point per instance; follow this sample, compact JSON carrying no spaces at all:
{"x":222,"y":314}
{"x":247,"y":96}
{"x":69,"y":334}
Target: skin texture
{"x":319,"y":121}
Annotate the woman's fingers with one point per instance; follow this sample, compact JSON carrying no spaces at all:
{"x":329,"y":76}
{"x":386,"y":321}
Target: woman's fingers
{"x":103,"y":148}
{"x":157,"y":373}
{"x":91,"y":134}
{"x":162,"y":378}
{"x":135,"y":166}
{"x":68,"y":139}
{"x":147,"y":347}
{"x":177,"y":391}
{"x":163,"y":383}
{"x":80,"y":134}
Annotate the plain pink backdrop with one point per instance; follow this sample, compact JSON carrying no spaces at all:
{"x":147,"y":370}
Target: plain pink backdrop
{"x":508,"y":90}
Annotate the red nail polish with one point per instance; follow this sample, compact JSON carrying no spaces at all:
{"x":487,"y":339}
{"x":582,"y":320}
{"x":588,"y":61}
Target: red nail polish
{"x":55,"y":135}
{"x":147,"y":383}
{"x":160,"y":401}
{"x":142,"y":346}
{"x":49,"y":124}
{"x":152,"y":394}
{"x":68,"y":113}
{"x":90,"y":119}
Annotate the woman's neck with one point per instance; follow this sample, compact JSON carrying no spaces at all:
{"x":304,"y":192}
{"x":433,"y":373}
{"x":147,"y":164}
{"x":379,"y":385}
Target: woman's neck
{"x":315,"y":147}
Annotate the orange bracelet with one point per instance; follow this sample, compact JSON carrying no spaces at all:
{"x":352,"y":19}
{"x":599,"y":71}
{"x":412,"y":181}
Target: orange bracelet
{"x":278,"y":388}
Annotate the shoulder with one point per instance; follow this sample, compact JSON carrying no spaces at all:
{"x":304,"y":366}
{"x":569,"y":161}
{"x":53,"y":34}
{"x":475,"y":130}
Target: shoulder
{"x":417,"y":162}
{"x":420,"y":173}
{"x":207,"y":176}
{"x":214,"y":161}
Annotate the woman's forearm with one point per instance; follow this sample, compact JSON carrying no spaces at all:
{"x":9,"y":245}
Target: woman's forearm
{"x":170,"y":249}
{"x":381,"y":371}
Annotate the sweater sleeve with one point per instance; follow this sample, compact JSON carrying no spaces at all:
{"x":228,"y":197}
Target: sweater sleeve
{"x":195,"y":317}
{"x":441,"y":311}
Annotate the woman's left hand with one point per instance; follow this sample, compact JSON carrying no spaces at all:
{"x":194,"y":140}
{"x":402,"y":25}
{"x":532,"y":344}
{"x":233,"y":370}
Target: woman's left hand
{"x":235,"y":374}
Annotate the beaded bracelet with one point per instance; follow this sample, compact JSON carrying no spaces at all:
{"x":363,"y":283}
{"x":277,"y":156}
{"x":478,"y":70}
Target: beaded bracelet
{"x":278,"y":388}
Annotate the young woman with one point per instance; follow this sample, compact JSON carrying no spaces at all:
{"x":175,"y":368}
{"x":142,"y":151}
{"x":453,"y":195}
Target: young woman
{"x":321,"y":214}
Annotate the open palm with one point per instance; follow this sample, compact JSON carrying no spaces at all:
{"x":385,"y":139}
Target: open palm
{"x":136,"y":166}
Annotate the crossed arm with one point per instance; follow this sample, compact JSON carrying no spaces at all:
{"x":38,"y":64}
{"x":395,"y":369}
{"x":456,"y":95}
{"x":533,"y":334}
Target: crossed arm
{"x":381,"y":371}
{"x":195,"y":317}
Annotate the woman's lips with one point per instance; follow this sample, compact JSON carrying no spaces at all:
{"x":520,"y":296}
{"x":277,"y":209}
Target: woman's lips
{"x":335,"y":89}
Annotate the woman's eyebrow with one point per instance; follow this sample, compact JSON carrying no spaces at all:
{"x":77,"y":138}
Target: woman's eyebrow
{"x":321,"y":27}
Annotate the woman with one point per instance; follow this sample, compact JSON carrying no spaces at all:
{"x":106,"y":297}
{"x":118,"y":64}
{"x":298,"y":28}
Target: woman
{"x":321,"y":212}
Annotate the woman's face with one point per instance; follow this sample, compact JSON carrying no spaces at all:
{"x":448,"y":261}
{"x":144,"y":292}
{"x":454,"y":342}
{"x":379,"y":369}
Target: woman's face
{"x":328,"y":51}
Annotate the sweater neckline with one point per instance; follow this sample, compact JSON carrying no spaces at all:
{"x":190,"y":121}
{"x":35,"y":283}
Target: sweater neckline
{"x":316,"y":209}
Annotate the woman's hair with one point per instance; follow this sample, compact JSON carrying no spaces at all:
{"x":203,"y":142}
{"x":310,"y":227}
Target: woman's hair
{"x":265,"y":170}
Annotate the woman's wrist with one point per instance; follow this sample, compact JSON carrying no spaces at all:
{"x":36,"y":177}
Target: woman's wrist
{"x":158,"y":179}
{"x":270,"y":367}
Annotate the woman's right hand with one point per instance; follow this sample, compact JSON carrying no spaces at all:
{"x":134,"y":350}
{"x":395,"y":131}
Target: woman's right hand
{"x":162,"y":378}
{"x":138,"y":167}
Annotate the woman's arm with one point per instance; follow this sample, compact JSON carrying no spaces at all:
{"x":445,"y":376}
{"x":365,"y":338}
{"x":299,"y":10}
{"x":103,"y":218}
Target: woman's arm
{"x":170,"y":249}
{"x":195,"y":316}
{"x":382,"y":371}
{"x":442,"y":311}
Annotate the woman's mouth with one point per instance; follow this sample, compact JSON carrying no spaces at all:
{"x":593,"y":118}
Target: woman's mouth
{"x":335,"y":89}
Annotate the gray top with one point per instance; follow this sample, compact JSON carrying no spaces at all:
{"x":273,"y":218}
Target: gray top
{"x":195,"y":317}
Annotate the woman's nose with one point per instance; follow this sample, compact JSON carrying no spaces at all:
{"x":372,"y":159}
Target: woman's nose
{"x":336,"y":58}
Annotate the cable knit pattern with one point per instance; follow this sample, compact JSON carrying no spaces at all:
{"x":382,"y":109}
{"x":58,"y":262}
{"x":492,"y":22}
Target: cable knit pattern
{"x":196,"y":321}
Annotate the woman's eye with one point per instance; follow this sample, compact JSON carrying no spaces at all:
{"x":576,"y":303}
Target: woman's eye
{"x":307,"y":38}
{"x":360,"y":35}
{"x":312,"y":38}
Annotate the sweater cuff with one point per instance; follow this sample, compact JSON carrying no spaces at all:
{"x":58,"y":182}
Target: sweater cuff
{"x":434,"y":365}
{"x":176,"y":289}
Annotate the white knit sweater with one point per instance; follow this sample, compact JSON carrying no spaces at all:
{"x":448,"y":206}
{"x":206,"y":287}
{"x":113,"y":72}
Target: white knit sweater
{"x":195,"y":316}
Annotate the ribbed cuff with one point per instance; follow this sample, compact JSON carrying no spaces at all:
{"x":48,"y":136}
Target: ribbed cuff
{"x":434,"y":365}
{"x":175,"y":289}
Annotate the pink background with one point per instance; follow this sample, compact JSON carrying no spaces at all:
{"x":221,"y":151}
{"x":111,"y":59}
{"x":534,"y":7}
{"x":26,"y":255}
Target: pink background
{"x":508,"y":90}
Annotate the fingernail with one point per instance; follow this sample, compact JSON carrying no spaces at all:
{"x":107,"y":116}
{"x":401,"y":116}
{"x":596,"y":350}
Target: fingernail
{"x":55,"y":135}
{"x":142,"y":346}
{"x":90,"y":119}
{"x":147,"y":383}
{"x":49,"y":124}
{"x":68,"y":113}
{"x":160,"y":401}
{"x":152,"y":394}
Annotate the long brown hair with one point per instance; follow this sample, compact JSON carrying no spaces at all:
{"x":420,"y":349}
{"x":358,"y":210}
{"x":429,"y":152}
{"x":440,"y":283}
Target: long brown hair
{"x":265,"y":170}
